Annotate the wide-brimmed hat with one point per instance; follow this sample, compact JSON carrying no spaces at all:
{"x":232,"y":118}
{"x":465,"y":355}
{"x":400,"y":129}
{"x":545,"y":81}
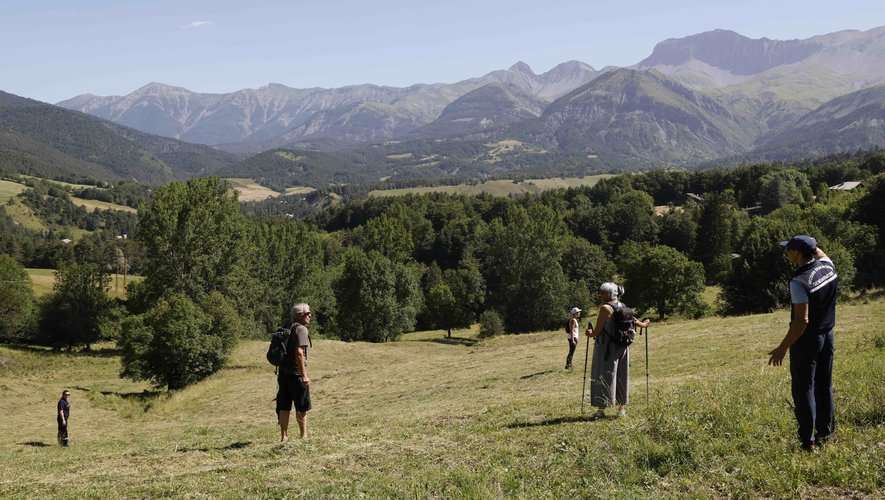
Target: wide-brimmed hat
{"x":574,"y":310}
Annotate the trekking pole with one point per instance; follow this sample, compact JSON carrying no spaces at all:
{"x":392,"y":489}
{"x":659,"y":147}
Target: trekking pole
{"x":584,"y":386}
{"x":646,"y":365}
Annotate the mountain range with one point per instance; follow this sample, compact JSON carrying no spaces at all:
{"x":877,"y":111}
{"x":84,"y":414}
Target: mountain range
{"x":45,"y":140}
{"x":693,"y":100}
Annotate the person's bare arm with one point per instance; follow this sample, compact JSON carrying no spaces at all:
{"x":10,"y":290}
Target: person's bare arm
{"x":643,"y":323}
{"x":819,"y":254}
{"x":302,"y":366}
{"x":61,"y":414}
{"x":605,"y":313}
{"x":797,"y":328}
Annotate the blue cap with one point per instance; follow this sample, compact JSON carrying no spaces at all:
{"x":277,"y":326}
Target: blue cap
{"x":801,"y":243}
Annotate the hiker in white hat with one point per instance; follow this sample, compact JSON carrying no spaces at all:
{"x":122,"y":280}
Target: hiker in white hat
{"x":571,"y":331}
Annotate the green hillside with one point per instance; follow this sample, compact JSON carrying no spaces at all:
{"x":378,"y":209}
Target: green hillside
{"x":48,"y":141}
{"x":428,"y":417}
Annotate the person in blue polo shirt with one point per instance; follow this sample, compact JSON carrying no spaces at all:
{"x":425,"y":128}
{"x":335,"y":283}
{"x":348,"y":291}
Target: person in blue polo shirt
{"x":813,"y":292}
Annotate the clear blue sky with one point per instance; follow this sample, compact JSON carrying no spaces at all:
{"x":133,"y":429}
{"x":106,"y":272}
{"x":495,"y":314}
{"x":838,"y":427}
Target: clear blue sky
{"x":55,"y":49}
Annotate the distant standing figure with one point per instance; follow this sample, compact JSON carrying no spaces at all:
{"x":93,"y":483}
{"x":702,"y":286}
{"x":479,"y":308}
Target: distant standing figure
{"x":62,"y":416}
{"x":292,"y":380}
{"x":572,"y":335}
{"x":611,"y":359}
{"x":810,"y":338}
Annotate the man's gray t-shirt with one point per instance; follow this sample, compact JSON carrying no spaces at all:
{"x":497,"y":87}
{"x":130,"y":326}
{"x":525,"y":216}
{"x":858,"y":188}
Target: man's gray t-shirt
{"x":300,"y":338}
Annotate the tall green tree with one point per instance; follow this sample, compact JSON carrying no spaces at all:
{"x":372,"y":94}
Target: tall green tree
{"x":378,"y":299}
{"x":783,"y":187}
{"x":72,"y":314}
{"x":288,"y":262}
{"x":16,"y":300}
{"x":522,"y":268}
{"x":662,"y":278}
{"x":718,"y":225}
{"x":195,"y":241}
{"x":387,"y":236}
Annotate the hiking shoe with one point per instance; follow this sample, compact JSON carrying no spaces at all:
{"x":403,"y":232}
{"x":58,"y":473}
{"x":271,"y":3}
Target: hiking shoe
{"x":600,"y":414}
{"x":622,"y":412}
{"x":809,"y":447}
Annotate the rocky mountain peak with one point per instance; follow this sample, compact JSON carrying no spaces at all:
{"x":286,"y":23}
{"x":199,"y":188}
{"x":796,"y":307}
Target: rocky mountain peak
{"x":730,"y":51}
{"x":521,"y":67}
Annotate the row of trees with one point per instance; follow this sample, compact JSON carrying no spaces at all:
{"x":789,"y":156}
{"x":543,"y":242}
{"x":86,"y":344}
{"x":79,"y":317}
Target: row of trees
{"x":376,"y":268}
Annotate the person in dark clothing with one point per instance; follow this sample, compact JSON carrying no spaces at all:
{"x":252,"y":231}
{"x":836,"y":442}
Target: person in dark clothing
{"x":810,"y":339}
{"x":62,"y":415}
{"x":292,"y":380}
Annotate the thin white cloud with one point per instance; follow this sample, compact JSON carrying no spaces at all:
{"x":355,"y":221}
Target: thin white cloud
{"x":198,"y":24}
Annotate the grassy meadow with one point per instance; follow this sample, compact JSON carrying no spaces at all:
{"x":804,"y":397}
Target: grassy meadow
{"x":249,"y":190}
{"x":9,"y":190}
{"x":92,"y":205}
{"x":503,"y":187}
{"x":431,"y":417}
{"x":42,"y":281}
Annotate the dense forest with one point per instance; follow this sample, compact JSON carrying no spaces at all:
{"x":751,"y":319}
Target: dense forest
{"x":373,"y":268}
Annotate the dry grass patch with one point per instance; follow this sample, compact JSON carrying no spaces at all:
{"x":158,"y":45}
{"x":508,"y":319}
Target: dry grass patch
{"x":249,"y":190}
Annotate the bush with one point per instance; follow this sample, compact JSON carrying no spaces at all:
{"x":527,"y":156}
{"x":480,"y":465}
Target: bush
{"x":16,"y":300}
{"x":177,"y":342}
{"x":490,"y":324}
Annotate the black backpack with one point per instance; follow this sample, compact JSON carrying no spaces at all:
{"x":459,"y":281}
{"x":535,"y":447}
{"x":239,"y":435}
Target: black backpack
{"x":277,"y":352}
{"x":625,"y":328}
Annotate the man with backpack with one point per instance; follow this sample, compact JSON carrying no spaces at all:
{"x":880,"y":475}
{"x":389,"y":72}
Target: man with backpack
{"x":813,"y":293}
{"x":614,"y":332}
{"x":288,"y":351}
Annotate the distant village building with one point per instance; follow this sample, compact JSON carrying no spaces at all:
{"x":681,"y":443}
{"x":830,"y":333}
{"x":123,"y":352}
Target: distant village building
{"x":846,"y":186}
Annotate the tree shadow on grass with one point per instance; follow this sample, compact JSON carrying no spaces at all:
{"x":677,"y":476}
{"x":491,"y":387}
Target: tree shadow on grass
{"x":35,"y":444}
{"x":570,"y":419}
{"x":101,"y":352}
{"x":237,"y":445}
{"x":454,"y":341}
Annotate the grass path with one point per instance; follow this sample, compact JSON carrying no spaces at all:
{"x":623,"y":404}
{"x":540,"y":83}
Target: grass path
{"x":435,"y":417}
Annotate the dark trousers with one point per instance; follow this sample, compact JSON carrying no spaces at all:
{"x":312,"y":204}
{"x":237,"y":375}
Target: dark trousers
{"x":62,"y":431}
{"x":572,"y":344}
{"x":811,"y":366}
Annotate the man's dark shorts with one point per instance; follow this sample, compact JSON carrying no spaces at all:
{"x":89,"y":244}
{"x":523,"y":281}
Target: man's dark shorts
{"x":292,"y":391}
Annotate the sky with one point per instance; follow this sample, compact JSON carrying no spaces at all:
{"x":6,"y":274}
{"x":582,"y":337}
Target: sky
{"x":56,"y":49}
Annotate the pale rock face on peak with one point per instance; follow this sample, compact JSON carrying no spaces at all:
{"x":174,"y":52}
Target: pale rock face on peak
{"x":276,"y":115}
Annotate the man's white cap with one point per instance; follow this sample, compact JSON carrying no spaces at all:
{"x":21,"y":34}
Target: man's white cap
{"x":300,"y":308}
{"x":574,"y":310}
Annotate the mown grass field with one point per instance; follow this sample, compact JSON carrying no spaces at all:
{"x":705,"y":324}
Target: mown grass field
{"x":498,"y":187}
{"x":42,"y":281}
{"x":429,"y":417}
{"x":92,"y":205}
{"x":9,"y":190}
{"x":249,"y":190}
